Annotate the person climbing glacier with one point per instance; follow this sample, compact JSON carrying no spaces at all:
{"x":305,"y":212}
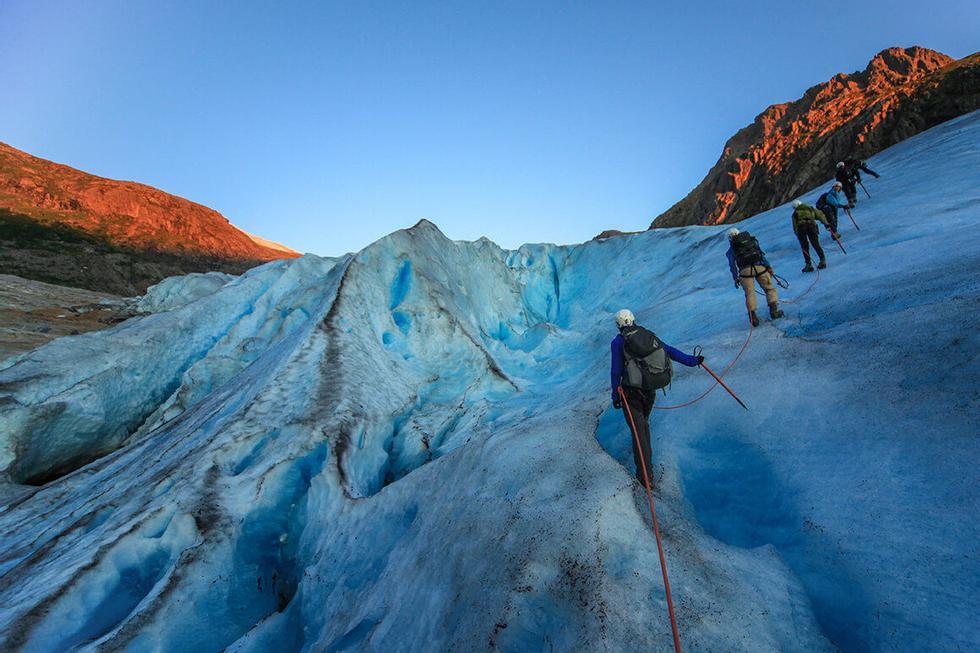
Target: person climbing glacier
{"x":748,"y":263}
{"x":832,"y":200}
{"x":805,"y":218}
{"x":640,"y":367}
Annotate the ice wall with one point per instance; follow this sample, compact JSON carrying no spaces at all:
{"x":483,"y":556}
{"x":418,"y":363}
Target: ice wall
{"x":174,"y":292}
{"x":412,"y":448}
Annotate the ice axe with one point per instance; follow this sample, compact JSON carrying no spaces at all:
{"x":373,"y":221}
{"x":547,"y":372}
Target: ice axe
{"x":864,"y":189}
{"x":836,"y":237}
{"x":722,"y":384}
{"x":848,"y":212}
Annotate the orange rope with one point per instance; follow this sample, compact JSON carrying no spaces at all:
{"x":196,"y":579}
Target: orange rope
{"x":804,"y":293}
{"x":715,"y":384}
{"x":656,"y":528}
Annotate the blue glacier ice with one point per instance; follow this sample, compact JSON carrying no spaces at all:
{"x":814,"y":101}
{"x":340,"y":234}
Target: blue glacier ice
{"x":174,"y":292}
{"x":412,"y":447}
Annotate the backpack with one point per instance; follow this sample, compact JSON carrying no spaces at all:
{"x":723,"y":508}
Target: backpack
{"x":746,"y":249}
{"x":822,"y":202}
{"x":804,"y":215}
{"x":647,"y":363}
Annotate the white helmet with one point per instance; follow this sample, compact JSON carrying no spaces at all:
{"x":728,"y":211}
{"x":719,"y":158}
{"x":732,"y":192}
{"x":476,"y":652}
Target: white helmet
{"x":837,"y":183}
{"x":733,"y":232}
{"x":624,"y":318}
{"x":840,"y":164}
{"x":796,"y":203}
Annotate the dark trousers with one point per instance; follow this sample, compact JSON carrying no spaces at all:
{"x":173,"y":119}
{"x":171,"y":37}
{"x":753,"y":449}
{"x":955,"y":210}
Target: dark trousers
{"x":850,"y":190}
{"x":808,"y":232}
{"x":831,"y":213}
{"x":640,"y":405}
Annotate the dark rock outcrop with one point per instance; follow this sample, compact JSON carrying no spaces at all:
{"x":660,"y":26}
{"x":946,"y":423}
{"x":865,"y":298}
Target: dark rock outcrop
{"x":612,"y":233}
{"x":33,"y":313}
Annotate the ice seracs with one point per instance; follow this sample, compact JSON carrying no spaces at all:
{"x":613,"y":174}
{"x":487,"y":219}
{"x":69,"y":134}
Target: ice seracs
{"x":413,"y":448}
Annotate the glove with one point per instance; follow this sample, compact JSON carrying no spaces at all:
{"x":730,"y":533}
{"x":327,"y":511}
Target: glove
{"x":617,"y":402}
{"x":835,"y":235}
{"x":700,"y":359}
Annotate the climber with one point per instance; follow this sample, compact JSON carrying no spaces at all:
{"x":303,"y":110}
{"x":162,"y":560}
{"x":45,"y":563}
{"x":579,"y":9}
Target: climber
{"x":849,"y":174}
{"x":747,"y":262}
{"x":829,"y":202}
{"x":855,"y":166}
{"x":844,"y":177}
{"x":829,"y":211}
{"x":805,"y":219}
{"x":641,"y":366}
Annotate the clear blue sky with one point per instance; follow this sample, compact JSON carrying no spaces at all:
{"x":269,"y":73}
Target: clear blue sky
{"x":326,"y":125}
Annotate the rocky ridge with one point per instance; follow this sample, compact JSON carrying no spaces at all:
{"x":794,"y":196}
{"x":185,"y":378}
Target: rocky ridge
{"x":793,"y":146}
{"x":65,"y":226}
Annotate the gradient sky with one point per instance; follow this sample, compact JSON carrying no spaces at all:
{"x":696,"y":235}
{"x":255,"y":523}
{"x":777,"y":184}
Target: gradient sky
{"x":327,"y":125}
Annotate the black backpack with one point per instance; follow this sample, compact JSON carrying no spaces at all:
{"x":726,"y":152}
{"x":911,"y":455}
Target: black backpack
{"x":822,"y":202}
{"x":746,"y":249}
{"x":647,"y":363}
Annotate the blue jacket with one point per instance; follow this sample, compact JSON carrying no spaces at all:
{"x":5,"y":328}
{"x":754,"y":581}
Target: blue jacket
{"x":733,"y":266}
{"x":837,"y":200}
{"x":618,"y":358}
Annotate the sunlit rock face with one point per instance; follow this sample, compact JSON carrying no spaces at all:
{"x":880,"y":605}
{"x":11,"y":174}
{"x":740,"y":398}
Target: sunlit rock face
{"x":413,"y":448}
{"x":793,"y":146}
{"x":65,"y":226}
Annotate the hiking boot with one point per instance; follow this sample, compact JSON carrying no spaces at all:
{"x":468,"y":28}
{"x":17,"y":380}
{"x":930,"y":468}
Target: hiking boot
{"x":808,"y":267}
{"x":774,"y":311}
{"x":754,"y":318}
{"x":822,"y":265}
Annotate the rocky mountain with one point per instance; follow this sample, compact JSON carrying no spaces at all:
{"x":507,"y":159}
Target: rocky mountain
{"x":793,"y":146}
{"x":62,"y":225}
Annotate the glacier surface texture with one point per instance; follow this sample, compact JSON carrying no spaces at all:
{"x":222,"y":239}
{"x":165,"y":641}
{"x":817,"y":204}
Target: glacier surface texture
{"x":413,"y":448}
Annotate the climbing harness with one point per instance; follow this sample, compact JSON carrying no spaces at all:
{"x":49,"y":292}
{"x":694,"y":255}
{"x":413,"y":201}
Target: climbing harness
{"x":656,"y":528}
{"x":728,"y":368}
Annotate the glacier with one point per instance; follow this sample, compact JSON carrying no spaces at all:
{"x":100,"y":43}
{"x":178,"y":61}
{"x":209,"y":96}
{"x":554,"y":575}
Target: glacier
{"x":413,"y":448}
